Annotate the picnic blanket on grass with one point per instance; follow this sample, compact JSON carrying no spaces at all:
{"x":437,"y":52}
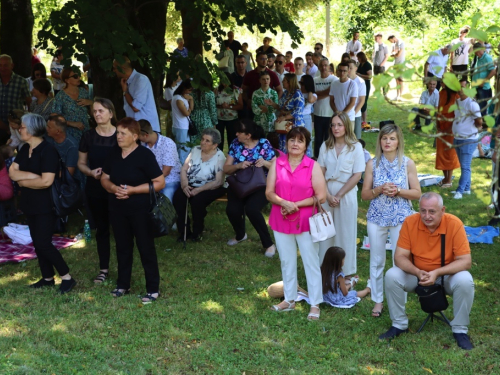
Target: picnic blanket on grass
{"x":481,"y":234}
{"x":11,"y":252}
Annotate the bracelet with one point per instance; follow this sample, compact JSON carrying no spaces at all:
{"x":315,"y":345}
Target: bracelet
{"x":373,"y":192}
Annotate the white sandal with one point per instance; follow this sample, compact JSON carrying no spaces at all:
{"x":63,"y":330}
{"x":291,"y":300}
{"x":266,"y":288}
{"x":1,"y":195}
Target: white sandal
{"x":313,"y":316}
{"x":290,"y":307}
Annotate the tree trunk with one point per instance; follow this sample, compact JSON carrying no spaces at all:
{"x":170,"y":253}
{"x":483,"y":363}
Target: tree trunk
{"x":192,"y":27}
{"x":16,"y":30}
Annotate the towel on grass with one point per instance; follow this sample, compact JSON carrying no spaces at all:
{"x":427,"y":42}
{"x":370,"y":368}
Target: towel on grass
{"x":481,"y":234}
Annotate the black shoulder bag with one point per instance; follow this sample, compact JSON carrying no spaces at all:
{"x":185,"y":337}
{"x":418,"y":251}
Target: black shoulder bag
{"x":67,"y":196}
{"x":162,"y":213}
{"x":433,"y":297}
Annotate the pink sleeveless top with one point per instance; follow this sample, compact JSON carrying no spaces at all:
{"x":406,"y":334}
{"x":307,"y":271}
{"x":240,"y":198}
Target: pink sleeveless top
{"x":292,"y":186}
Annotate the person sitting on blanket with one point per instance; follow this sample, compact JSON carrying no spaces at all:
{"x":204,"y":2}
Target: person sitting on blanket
{"x":418,"y":261}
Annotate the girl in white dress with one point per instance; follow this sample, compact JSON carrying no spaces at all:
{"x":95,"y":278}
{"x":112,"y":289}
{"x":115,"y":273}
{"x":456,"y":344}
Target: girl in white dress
{"x":342,"y":161}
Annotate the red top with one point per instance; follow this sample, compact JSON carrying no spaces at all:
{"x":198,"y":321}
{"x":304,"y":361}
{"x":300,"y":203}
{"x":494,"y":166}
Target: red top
{"x":252,"y":81}
{"x":6,"y":188}
{"x":289,"y":67}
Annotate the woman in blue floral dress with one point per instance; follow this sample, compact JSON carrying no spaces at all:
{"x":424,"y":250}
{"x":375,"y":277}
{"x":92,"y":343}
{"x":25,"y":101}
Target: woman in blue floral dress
{"x":390,"y":183}
{"x":250,"y":148}
{"x":291,"y":105}
{"x":72,"y":103}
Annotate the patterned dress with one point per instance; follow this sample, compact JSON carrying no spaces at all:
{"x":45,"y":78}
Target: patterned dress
{"x":294,"y":104}
{"x":240,"y":153}
{"x":266,"y":120}
{"x":204,"y":113}
{"x":71,"y":111}
{"x":338,"y":299}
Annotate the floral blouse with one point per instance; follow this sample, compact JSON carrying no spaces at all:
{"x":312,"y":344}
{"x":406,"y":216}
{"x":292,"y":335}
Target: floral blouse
{"x":389,"y":211}
{"x":199,"y":172}
{"x":230,"y":96}
{"x":294,"y":105}
{"x":266,"y":120}
{"x":240,"y":153}
{"x":71,"y":111}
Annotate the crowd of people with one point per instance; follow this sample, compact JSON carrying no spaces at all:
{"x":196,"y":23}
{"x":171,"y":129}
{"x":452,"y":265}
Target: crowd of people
{"x":267,"y":113}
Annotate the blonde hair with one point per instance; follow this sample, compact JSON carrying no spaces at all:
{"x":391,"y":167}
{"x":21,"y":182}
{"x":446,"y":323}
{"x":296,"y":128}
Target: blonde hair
{"x":267,"y":39}
{"x":292,"y":82}
{"x":349,"y":137}
{"x":388,"y":129}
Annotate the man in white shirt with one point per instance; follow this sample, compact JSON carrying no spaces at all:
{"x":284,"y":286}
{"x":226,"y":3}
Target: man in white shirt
{"x":360,"y":100}
{"x":343,"y":93}
{"x":138,"y":99}
{"x":459,"y":58}
{"x":280,"y":67}
{"x":322,"y":110}
{"x":298,"y":63}
{"x":354,"y":46}
{"x":310,"y":67}
{"x":398,"y":52}
{"x":429,"y":97}
{"x":436,"y":64}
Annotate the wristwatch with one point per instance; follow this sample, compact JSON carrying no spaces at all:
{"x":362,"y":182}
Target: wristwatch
{"x":399,"y":191}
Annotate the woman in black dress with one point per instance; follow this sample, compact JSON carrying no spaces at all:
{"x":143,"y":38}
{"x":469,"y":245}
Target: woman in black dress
{"x":34,"y":169}
{"x":365,"y":72}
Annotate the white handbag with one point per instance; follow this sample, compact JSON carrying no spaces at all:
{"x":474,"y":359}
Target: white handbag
{"x":224,"y":62}
{"x":321,"y":225}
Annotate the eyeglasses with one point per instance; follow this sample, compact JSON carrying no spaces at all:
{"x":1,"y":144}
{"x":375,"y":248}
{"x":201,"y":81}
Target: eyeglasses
{"x":75,"y":76}
{"x":263,"y":58}
{"x":317,"y":48}
{"x":279,"y":62}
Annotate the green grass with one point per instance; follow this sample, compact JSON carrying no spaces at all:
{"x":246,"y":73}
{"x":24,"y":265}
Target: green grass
{"x":203,"y":325}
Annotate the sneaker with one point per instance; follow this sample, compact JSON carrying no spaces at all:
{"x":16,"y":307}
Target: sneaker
{"x":463,"y":341}
{"x":466,"y":192}
{"x":234,"y":241}
{"x":457,"y":196}
{"x":392,"y":333}
{"x":271,"y":250}
{"x":42,"y":283}
{"x":67,"y":285}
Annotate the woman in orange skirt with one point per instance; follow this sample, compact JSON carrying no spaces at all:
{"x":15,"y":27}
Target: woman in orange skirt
{"x":446,"y":157}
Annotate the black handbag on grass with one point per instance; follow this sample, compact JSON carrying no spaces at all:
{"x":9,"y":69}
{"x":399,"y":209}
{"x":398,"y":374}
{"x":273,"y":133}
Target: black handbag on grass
{"x":162,"y":213}
{"x":433,"y":297}
{"x":247,"y":181}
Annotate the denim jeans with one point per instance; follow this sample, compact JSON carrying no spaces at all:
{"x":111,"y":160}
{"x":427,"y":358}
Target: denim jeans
{"x":464,"y":152}
{"x":482,"y":97}
{"x":181,"y":138}
{"x":170,"y":189}
{"x":308,"y":126}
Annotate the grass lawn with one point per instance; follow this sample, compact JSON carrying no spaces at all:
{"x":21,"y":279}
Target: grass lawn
{"x":204,"y":324}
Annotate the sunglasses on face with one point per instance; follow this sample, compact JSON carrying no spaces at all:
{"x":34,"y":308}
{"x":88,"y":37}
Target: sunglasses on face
{"x":316,"y":48}
{"x":279,"y":62}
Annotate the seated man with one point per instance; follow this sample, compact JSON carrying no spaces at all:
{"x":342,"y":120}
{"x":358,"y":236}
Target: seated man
{"x":418,"y":261}
{"x":428,"y":97}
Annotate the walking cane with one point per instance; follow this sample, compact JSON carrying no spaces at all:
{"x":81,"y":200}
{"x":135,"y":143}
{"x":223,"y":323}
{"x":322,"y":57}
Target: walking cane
{"x":186,"y":221}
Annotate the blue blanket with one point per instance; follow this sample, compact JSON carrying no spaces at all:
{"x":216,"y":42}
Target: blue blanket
{"x":481,"y":234}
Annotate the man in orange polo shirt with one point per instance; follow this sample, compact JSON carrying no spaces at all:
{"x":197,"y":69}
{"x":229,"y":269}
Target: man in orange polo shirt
{"x":418,"y":261}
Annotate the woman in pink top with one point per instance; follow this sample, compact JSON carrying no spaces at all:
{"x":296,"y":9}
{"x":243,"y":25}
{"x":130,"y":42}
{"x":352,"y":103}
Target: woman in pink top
{"x":6,"y":187}
{"x":293,"y":180}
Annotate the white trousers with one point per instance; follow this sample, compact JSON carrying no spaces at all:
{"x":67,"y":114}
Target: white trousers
{"x":309,"y":252}
{"x":378,"y":237}
{"x":460,"y":286}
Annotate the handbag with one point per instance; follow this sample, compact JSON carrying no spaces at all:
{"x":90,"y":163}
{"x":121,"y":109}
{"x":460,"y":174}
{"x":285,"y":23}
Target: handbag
{"x":66,"y":194}
{"x":283,"y":127}
{"x":162,"y":213}
{"x":224,"y":62}
{"x":192,"y":130}
{"x":247,"y":181}
{"x":321,"y":225}
{"x":433,"y":297}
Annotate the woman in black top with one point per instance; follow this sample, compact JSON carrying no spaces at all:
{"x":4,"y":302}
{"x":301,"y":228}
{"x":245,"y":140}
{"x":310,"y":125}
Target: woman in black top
{"x":126,"y":175}
{"x":365,"y":72}
{"x":267,"y":48}
{"x":34,"y":169}
{"x":95,"y":146}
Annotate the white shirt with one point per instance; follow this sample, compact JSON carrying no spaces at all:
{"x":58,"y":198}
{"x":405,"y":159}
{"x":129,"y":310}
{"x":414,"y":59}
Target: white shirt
{"x":312,"y":70}
{"x":342,"y":93}
{"x":281,"y":76}
{"x":57,"y":68}
{"x":168,"y":94}
{"x":322,"y":106}
{"x":308,"y":106}
{"x":461,"y":54}
{"x":166,"y":155}
{"x":353,"y":47}
{"x":437,"y":63}
{"x":361,"y":92}
{"x":141,"y":91}
{"x":399,"y":46}
{"x":179,"y":121}
{"x":463,"y":125}
{"x":430,"y":99}
{"x":299,"y":76}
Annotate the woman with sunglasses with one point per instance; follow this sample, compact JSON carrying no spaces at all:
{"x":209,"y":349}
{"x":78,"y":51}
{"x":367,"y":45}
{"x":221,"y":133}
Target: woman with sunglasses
{"x":72,"y":103}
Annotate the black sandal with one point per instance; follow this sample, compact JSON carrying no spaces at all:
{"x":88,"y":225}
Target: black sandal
{"x":119,"y":292}
{"x":149,"y":298}
{"x":101,"y":277}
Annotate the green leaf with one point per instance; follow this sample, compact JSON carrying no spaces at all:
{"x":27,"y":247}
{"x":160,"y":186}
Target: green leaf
{"x":452,"y":108}
{"x":452,"y":81}
{"x":412,"y":116}
{"x":408,"y":73}
{"x":476,"y":18}
{"x":490,"y":121}
{"x":478,"y":34}
{"x":493,"y":29}
{"x":471,"y":93}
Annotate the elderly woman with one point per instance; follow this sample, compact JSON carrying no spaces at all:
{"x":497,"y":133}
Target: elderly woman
{"x":291,"y":105}
{"x":42,"y":103}
{"x":202,"y":177}
{"x":126,"y":175}
{"x":390,"y":183}
{"x":342,"y":161}
{"x":34,"y":169}
{"x":250,"y":148}
{"x":95,"y":147}
{"x":72,"y":103}
{"x":293,"y":183}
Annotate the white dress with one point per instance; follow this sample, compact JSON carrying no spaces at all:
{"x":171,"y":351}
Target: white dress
{"x":338,"y":171}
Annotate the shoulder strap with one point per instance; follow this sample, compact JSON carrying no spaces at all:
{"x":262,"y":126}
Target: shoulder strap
{"x":443,"y":244}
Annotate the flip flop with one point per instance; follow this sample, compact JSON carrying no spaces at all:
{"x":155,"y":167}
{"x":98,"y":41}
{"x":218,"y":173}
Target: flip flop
{"x":377,"y":314}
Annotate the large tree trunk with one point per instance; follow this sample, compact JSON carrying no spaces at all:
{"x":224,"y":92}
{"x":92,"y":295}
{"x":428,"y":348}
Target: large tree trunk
{"x":16,"y":31}
{"x":192,"y":27}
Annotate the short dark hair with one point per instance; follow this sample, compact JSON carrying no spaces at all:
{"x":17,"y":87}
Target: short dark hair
{"x":299,"y":132}
{"x":60,"y":122}
{"x":185,"y":85}
{"x":391,"y":36}
{"x":240,"y":57}
{"x":309,"y":54}
{"x":260,"y":54}
{"x":38,"y":67}
{"x":226,"y":43}
{"x":146,"y":126}
{"x":289,"y":52}
{"x":248,"y":126}
{"x":43,"y":85}
{"x":319,"y":44}
{"x":271,"y":56}
{"x":363,"y":143}
{"x":280,"y":55}
{"x":58,"y":53}
{"x":346,"y":64}
{"x":298,"y":58}
{"x":264,"y":73}
{"x":131,"y":124}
